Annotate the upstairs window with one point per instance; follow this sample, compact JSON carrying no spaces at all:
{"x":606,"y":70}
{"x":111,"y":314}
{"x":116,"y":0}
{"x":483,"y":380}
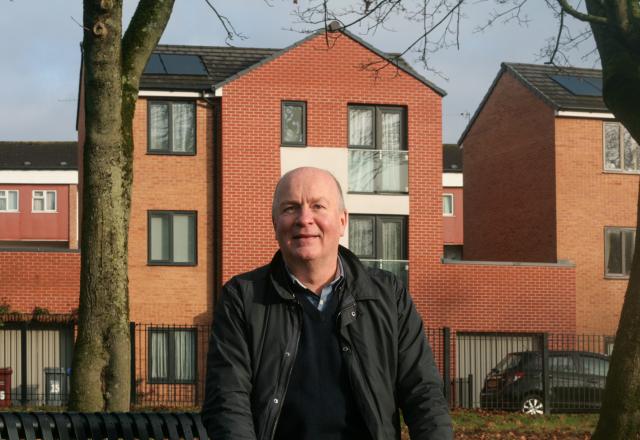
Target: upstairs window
{"x":172,"y":127}
{"x":618,"y":247}
{"x":447,"y":205}
{"x":44,"y":201}
{"x":172,"y":238}
{"x":620,"y":150}
{"x":8,"y":200}
{"x":378,"y":158}
{"x":294,"y":123}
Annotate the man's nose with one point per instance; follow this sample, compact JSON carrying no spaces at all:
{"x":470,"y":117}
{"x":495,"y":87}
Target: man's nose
{"x":305,"y":215}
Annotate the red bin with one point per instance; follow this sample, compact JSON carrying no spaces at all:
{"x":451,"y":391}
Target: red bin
{"x":5,"y":386}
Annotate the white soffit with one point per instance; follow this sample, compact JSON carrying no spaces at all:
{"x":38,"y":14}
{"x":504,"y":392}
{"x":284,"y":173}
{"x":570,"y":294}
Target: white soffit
{"x":452,"y":180}
{"x":39,"y":177}
{"x":170,"y":94}
{"x":587,"y":115}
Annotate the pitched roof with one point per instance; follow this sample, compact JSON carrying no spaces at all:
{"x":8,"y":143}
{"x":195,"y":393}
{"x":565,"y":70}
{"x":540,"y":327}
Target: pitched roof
{"x":224,"y":64}
{"x":451,"y":158}
{"x":39,"y":155}
{"x":539,"y":79}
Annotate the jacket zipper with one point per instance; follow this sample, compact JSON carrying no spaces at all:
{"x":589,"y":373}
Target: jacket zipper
{"x":292,"y":361}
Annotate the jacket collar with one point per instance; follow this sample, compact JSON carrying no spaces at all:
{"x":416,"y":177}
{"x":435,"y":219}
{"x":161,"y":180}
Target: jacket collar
{"x":357,"y":283}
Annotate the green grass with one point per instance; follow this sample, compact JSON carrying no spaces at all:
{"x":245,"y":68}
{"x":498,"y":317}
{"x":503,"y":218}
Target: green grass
{"x":502,"y":422}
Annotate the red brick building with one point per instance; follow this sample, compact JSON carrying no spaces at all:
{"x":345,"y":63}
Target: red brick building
{"x":550,"y":176}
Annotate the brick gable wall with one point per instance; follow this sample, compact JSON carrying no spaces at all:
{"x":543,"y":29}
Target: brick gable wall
{"x":509,"y":178}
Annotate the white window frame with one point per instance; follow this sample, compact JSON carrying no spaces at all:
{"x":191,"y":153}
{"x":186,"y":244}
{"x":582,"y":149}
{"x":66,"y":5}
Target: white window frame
{"x":44,"y":199}
{"x":4,"y":193}
{"x":621,"y":131}
{"x":448,"y":214}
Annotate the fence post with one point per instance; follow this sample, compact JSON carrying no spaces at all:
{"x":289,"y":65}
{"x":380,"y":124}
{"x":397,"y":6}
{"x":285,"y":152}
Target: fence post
{"x":546,"y":389}
{"x":446,"y":363}
{"x":23,"y":363}
{"x":470,"y":390}
{"x":132,"y":337}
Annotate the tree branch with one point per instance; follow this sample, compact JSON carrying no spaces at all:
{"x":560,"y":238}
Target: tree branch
{"x":595,"y":19}
{"x":226,"y":24}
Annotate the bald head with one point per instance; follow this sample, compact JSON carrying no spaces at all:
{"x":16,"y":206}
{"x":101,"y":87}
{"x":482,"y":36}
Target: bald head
{"x":306,"y":173}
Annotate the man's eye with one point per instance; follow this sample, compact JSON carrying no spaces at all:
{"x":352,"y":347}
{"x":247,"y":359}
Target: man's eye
{"x":288,"y":209}
{"x":318,"y":206}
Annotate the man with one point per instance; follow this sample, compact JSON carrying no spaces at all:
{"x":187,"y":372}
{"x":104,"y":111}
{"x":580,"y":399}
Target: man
{"x":314,"y":345}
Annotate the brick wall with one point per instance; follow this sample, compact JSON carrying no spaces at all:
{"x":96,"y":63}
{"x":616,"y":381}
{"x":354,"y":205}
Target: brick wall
{"x":453,"y":226}
{"x":509,"y":178}
{"x":503,"y":297}
{"x":48,"y":280}
{"x":328,"y":79}
{"x":172,"y":294}
{"x":589,"y":199}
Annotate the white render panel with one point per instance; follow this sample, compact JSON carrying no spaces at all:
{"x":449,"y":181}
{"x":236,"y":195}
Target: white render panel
{"x":452,"y":180}
{"x":172,"y":94}
{"x":336,"y":160}
{"x":39,"y":177}
{"x":589,"y":115}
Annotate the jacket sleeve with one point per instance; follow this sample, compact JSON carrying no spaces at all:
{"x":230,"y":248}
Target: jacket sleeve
{"x":226,"y":412}
{"x":419,"y":386}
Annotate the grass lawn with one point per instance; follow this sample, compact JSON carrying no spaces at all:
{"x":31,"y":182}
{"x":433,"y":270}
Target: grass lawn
{"x":483,"y":425}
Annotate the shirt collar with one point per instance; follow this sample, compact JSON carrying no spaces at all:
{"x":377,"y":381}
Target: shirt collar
{"x":338,"y":277}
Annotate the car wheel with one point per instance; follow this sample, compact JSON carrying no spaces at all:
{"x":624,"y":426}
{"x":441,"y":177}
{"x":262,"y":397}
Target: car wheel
{"x":532,"y":405}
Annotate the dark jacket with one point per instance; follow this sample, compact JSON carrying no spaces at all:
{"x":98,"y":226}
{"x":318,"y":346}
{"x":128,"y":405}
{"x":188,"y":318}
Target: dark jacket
{"x":256,"y":330}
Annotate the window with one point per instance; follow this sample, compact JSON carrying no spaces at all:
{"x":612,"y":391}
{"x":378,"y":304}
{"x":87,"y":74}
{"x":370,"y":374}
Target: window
{"x":172,"y":238}
{"x":452,"y":251}
{"x":595,"y":366}
{"x":172,"y":127}
{"x":8,"y":200}
{"x":619,"y":245}
{"x":447,"y":204}
{"x":294,"y":123}
{"x":562,"y":364}
{"x":620,"y":150}
{"x":378,"y":159}
{"x":172,"y":355}
{"x":380,"y":241}
{"x":44,"y":201}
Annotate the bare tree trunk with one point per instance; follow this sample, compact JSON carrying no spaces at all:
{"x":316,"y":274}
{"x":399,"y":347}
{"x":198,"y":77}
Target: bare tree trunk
{"x":113,"y":65}
{"x":620,"y":57}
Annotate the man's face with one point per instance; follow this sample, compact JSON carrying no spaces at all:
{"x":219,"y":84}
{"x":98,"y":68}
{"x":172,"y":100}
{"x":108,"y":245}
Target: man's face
{"x":308,"y":219}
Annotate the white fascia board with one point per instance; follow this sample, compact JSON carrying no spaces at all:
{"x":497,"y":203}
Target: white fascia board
{"x":69,"y":177}
{"x":587,"y":115}
{"x":452,"y":180}
{"x":170,"y":94}
{"x":219,"y":91}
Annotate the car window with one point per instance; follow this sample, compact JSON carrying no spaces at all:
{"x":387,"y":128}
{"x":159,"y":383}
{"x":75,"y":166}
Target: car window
{"x":510,"y":361}
{"x":562,"y":364}
{"x":595,"y":366}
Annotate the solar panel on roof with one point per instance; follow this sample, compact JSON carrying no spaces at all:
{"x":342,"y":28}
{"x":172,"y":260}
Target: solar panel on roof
{"x":154,"y":66}
{"x":580,"y":85}
{"x":178,"y":64}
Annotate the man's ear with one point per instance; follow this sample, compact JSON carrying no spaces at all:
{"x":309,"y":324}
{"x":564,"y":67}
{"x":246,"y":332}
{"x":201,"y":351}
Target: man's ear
{"x":344,"y":220}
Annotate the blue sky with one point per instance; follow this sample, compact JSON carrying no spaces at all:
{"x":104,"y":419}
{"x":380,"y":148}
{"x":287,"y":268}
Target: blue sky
{"x":39,"y":45}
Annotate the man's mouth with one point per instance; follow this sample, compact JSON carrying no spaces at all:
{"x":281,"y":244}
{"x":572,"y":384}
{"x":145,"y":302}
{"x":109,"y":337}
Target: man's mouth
{"x":303,"y":236}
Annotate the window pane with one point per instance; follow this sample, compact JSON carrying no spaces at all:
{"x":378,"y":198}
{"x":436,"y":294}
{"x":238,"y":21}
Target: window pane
{"x":612,"y":146}
{"x":561,"y":364}
{"x":361,"y":127}
{"x":38,"y":204}
{"x":391,"y":240}
{"x":293,"y":120}
{"x":614,"y":252}
{"x":51,"y":201}
{"x":159,"y":357}
{"x":393,"y":170}
{"x":391,"y":126}
{"x":184,"y":133}
{"x":629,"y":245}
{"x":363,"y":167}
{"x":184,"y":355}
{"x":595,"y":366}
{"x":183,"y":238}
{"x":158,"y":126}
{"x":361,"y":236}
{"x":630,"y":151}
{"x":159,"y":238}
{"x":13,"y":200}
{"x":447,"y":204}
{"x":3,"y":204}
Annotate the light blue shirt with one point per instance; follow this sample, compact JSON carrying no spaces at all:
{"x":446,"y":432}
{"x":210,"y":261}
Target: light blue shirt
{"x":319,"y":301}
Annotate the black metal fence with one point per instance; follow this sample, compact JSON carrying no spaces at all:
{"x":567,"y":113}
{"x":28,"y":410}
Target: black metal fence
{"x":533,"y":372}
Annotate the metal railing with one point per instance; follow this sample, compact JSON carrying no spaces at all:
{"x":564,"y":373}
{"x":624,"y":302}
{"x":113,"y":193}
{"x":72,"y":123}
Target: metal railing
{"x":534,"y":372}
{"x":378,"y":171}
